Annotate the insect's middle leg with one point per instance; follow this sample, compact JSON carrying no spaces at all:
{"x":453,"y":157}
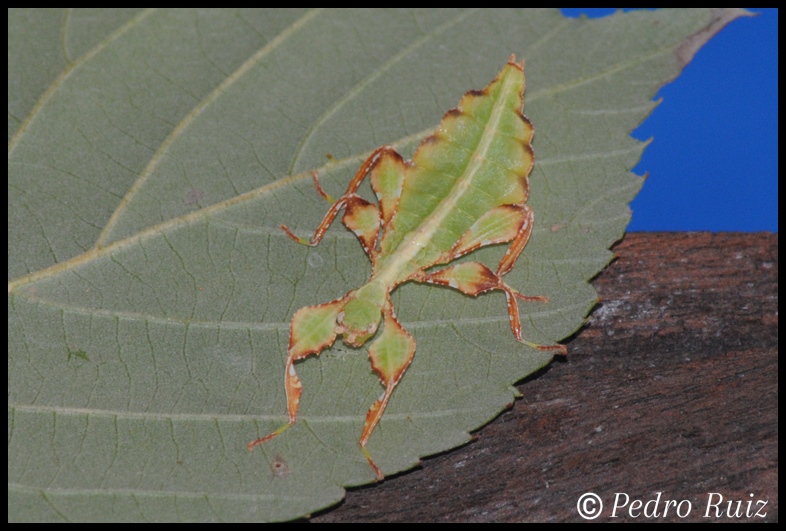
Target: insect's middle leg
{"x":502,"y":224}
{"x":474,"y":278}
{"x":352,"y":188}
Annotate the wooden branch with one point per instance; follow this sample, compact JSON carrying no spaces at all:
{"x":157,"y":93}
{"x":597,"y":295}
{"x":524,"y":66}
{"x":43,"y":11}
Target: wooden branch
{"x":672,"y":388}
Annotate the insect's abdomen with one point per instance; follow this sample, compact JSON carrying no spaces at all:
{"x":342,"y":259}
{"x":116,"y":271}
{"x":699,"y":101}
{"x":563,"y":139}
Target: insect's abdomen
{"x":479,"y":158}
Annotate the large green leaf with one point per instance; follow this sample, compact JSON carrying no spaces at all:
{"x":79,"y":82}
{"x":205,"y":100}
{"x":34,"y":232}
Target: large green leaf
{"x":152,"y":156}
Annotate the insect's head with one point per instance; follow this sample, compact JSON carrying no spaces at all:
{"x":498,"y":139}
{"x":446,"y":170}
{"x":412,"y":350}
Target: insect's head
{"x":359,"y":319}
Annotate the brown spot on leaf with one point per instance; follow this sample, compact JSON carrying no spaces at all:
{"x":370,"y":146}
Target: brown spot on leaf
{"x":558,"y":227}
{"x":279,"y":467}
{"x":194,"y":196}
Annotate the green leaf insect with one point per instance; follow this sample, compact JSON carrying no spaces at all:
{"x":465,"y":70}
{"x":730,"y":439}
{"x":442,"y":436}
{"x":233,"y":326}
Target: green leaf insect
{"x":466,"y":187}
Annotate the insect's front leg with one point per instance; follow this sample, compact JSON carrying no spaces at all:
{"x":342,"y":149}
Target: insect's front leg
{"x":390,"y":354}
{"x":313,"y":329}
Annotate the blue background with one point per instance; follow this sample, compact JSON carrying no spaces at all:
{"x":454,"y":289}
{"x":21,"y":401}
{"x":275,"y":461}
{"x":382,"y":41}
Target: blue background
{"x":713,"y":162}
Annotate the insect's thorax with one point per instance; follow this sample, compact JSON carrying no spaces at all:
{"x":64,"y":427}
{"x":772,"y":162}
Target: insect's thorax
{"x":360,"y":316}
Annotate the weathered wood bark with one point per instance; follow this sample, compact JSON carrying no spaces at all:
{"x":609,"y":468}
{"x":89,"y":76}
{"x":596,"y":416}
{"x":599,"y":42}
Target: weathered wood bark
{"x":671,"y":390}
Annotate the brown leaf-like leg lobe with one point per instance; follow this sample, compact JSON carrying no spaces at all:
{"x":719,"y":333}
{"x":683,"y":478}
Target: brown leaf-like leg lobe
{"x":387,"y":180}
{"x":390,"y":354}
{"x":365,"y":168}
{"x":362,"y":218}
{"x":505,"y":223}
{"x":474,"y":278}
{"x":313,"y":329}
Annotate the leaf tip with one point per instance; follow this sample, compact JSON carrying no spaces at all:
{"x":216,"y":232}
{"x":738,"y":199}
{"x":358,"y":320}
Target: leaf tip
{"x":719,"y":18}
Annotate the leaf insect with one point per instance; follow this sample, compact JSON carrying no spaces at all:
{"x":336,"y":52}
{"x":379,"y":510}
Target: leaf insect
{"x":466,"y":187}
